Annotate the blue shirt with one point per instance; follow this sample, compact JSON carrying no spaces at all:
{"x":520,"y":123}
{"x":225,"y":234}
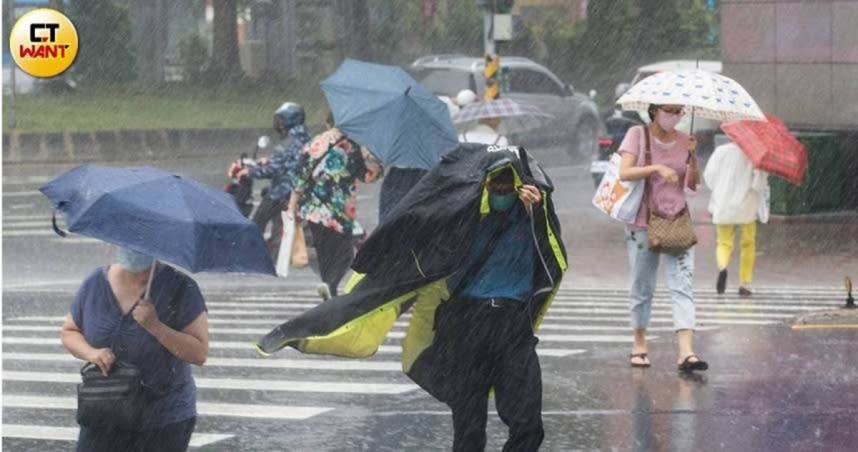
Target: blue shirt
{"x":96,"y":312}
{"x":508,"y":270}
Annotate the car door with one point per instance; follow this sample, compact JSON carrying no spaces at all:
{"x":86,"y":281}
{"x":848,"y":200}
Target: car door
{"x":537,"y":88}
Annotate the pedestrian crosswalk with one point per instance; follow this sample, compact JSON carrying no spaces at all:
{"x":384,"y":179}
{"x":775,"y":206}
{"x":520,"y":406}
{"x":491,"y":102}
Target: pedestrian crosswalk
{"x":236,"y":386}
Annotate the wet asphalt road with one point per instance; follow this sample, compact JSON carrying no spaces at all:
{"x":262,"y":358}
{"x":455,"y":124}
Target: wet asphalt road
{"x":769,"y":387}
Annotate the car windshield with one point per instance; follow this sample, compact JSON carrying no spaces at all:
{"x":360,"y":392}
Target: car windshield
{"x":444,"y":82}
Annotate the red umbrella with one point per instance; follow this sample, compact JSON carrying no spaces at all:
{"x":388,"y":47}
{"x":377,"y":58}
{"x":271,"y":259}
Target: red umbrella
{"x":770,"y":146}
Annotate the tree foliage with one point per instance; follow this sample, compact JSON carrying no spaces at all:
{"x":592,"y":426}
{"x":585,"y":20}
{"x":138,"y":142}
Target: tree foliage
{"x":104,"y":32}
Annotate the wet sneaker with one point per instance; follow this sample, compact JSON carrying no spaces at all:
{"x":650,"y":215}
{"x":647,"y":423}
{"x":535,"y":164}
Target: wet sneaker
{"x":721,"y":285}
{"x":745,"y":292}
{"x":324,"y":291}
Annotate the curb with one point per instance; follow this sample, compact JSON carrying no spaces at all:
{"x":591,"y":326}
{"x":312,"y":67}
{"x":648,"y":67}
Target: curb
{"x":115,"y":145}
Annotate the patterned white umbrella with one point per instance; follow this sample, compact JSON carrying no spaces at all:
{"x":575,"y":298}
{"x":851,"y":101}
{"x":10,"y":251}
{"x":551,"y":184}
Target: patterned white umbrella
{"x":515,"y":117}
{"x":711,"y":96}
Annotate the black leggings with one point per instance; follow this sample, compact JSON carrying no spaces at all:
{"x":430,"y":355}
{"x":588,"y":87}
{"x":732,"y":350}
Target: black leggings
{"x":169,"y":438}
{"x":335,"y":253}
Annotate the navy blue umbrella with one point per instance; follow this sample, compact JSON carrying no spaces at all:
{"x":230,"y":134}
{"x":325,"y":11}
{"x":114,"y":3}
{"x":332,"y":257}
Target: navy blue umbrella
{"x":383,"y":108}
{"x":173,"y":218}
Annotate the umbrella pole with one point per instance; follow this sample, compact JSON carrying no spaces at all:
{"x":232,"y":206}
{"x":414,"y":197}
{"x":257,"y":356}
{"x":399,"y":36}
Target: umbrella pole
{"x":151,"y":277}
{"x":692,"y":121}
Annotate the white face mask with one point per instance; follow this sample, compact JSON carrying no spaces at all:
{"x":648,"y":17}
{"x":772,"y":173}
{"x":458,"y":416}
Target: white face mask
{"x":667,"y":121}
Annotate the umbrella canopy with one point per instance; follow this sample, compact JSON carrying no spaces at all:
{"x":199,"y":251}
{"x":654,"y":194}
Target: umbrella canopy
{"x":173,"y":218}
{"x":770,"y":146}
{"x":712,"y":96}
{"x":383,"y":108}
{"x":515,"y":117}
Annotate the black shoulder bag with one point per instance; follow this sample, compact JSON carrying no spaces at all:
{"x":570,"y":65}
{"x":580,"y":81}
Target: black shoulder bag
{"x":116,"y":400}
{"x":119,"y":399}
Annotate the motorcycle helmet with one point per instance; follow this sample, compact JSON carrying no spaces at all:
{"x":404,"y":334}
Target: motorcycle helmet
{"x":288,"y":116}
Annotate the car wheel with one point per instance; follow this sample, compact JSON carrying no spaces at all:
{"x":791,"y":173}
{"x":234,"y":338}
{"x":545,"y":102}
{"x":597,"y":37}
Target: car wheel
{"x":585,"y":141}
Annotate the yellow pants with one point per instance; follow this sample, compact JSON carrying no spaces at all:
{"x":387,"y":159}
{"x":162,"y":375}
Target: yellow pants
{"x":726,"y":237}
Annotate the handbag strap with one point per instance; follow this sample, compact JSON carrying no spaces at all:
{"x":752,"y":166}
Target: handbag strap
{"x":122,"y":322}
{"x":647,"y":162}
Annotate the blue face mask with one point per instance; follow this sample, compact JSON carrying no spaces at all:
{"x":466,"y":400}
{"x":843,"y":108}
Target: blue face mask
{"x":501,"y":203}
{"x":132,"y":260}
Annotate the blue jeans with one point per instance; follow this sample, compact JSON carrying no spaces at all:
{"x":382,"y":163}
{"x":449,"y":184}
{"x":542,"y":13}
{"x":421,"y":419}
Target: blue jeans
{"x":643,"y":264}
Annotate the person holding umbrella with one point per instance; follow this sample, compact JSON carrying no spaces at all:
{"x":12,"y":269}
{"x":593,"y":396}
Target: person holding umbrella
{"x":162,"y":334}
{"x":737,"y":201}
{"x":673,"y":166}
{"x":488,"y":121}
{"x":664,"y":158}
{"x":737,"y":173}
{"x":324,"y":196}
{"x":406,"y":126}
{"x":138,"y":317}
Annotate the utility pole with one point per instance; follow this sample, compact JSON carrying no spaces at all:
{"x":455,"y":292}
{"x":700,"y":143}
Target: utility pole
{"x":497,"y":25}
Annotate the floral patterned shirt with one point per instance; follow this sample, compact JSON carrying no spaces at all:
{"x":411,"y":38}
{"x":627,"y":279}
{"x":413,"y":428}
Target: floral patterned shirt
{"x":326,"y":175}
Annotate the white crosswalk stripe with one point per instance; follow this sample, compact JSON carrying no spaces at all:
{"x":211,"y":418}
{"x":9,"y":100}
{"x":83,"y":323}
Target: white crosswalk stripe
{"x":580,"y":319}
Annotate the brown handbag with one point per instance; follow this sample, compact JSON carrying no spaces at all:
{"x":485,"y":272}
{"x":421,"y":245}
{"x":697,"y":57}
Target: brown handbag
{"x":669,"y":235}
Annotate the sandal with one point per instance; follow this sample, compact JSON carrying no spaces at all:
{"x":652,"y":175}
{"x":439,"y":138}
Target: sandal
{"x":690,"y":366}
{"x":642,"y":356}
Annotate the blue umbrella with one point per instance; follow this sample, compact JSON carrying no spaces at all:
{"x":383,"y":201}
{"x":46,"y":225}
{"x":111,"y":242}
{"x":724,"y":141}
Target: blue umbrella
{"x":173,"y":218}
{"x":383,"y":108}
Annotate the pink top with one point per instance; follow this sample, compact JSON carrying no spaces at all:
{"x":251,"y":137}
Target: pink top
{"x":668,"y":199}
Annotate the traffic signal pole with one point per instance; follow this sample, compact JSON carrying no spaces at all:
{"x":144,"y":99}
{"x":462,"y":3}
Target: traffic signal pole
{"x":492,"y":67}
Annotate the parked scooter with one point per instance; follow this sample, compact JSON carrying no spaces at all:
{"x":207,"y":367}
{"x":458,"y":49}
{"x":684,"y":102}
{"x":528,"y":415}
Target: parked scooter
{"x":241,"y":188}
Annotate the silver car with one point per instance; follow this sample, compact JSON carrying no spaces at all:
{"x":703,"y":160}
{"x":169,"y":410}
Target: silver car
{"x":576,"y":126}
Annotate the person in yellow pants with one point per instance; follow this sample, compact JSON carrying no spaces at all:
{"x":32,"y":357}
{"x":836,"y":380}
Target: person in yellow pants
{"x":748,"y":252}
{"x":739,"y":199}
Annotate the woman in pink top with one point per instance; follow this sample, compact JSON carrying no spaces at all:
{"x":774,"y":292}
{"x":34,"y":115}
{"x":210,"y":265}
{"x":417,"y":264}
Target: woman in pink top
{"x":673,"y":167}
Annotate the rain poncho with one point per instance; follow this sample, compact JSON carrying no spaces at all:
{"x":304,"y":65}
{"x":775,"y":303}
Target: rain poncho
{"x":406,"y":262}
{"x":736,"y":186}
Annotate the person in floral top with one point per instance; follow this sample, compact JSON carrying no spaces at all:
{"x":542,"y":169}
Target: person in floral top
{"x":323,"y":195}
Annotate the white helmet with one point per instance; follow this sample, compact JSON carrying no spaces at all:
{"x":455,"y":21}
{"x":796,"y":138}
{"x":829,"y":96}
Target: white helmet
{"x":465,"y":97}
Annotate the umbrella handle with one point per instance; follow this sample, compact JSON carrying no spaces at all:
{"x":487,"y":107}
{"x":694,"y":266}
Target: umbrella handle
{"x":151,"y":277}
{"x":57,"y":229}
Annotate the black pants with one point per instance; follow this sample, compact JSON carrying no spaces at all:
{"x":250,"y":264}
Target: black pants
{"x":335,"y":254}
{"x":170,"y":438}
{"x":491,"y":346}
{"x":396,"y":184}
{"x":269,"y":210}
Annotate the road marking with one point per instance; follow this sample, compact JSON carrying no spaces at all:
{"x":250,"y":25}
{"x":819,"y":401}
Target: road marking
{"x":31,"y":233}
{"x":664,"y":320}
{"x":46,"y":222}
{"x":289,"y":304}
{"x":596,"y":338}
{"x":21,"y":206}
{"x":259,"y":411}
{"x":312,"y":364}
{"x":56,"y":341}
{"x":44,"y":216}
{"x":383,"y":349}
{"x":21,"y":194}
{"x":811,"y":326}
{"x":240,"y":384}
{"x":71,"y":433}
{"x":666,"y":311}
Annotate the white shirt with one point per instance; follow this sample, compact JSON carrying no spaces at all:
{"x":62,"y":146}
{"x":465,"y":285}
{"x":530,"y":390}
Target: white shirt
{"x":738,"y":190}
{"x":483,"y":134}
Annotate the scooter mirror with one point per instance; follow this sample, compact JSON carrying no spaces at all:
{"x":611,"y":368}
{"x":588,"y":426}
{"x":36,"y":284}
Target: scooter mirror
{"x":263,"y":142}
